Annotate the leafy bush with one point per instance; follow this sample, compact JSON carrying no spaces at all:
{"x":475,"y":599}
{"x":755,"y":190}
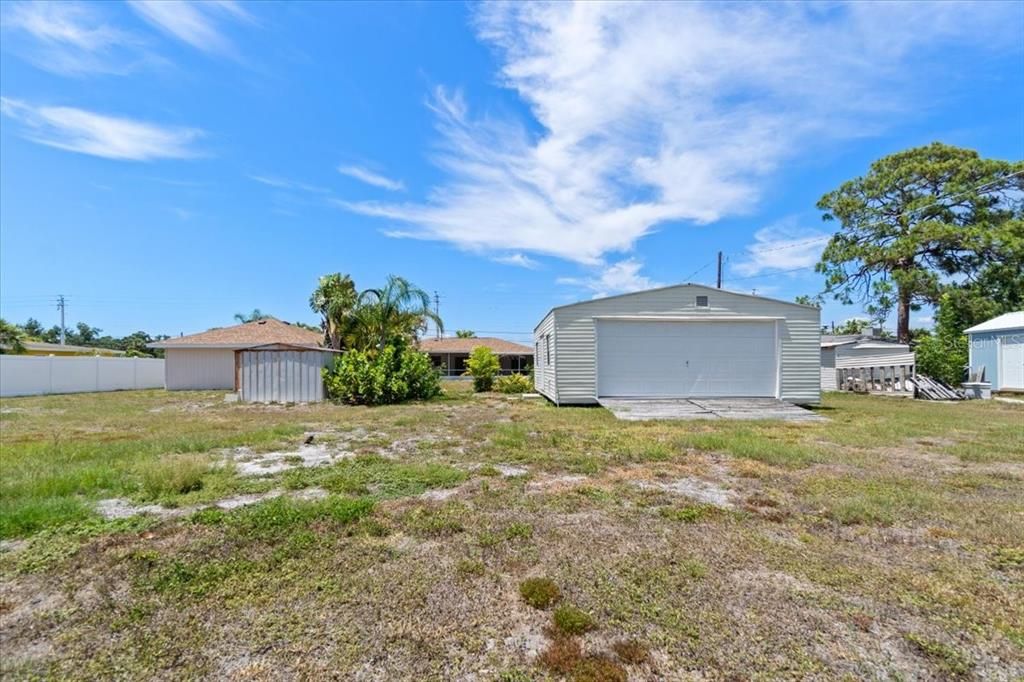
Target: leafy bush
{"x":390,"y":375}
{"x":513,"y":383}
{"x":573,"y":621}
{"x":942,"y":357}
{"x":539,"y":593}
{"x":483,"y":365}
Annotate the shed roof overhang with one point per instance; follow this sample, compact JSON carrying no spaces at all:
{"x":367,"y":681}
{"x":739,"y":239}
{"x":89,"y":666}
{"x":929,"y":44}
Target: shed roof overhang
{"x":689,"y":318}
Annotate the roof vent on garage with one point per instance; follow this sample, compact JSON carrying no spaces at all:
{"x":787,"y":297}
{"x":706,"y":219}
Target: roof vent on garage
{"x":702,"y":301}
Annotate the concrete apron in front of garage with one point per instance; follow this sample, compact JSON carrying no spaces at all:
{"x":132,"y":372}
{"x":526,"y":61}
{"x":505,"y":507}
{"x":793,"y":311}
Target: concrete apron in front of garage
{"x":639,"y":409}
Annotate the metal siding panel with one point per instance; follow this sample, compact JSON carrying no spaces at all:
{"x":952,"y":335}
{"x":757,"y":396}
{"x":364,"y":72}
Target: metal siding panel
{"x":544,"y":373}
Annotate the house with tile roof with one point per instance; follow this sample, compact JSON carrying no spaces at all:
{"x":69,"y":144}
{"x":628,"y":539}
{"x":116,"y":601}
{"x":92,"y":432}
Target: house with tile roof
{"x":450,"y":355}
{"x":207,"y":360}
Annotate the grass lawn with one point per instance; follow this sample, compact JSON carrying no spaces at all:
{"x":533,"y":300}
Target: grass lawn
{"x":489,"y":538}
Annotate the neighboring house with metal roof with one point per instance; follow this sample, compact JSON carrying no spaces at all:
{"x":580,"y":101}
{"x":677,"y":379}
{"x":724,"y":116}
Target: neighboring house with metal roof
{"x":854,"y":351}
{"x":450,"y":355}
{"x":208,"y":360}
{"x":682,"y":341}
{"x":997,"y":346}
{"x":43,"y":348}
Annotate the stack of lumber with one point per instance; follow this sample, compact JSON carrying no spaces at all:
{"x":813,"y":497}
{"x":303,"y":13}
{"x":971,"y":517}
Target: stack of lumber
{"x":926,"y":388}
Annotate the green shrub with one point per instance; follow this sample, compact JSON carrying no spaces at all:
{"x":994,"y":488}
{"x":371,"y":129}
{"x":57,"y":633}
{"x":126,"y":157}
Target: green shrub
{"x":483,"y":365}
{"x":539,"y":593}
{"x":942,"y":358}
{"x":390,"y":375}
{"x":513,"y":383}
{"x":573,"y":621}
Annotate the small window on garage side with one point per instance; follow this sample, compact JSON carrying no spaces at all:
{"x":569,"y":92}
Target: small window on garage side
{"x":547,"y":349}
{"x":702,"y":301}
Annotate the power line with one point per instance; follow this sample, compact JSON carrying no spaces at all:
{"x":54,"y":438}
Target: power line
{"x":697,"y":272}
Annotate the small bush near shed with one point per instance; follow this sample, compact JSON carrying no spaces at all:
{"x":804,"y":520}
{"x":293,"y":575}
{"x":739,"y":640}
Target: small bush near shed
{"x":513,"y":383}
{"x":483,"y":365}
{"x":393,"y":374}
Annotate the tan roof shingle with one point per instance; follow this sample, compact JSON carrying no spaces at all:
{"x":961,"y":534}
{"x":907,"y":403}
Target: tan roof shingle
{"x":258,"y":333}
{"x":457,"y":345}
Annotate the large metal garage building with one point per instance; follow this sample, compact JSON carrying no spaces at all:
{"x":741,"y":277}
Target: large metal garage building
{"x":682,"y":341}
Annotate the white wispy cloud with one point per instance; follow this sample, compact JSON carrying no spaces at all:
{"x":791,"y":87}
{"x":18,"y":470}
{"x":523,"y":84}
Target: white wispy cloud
{"x":651,"y":113}
{"x":784,"y":245}
{"x":371,"y":178}
{"x":285,"y":183}
{"x":71,"y":39}
{"x":517,"y":259}
{"x":110,"y":137}
{"x":196,"y":23}
{"x":617,"y":278}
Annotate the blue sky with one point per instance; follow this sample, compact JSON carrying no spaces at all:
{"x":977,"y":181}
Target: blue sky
{"x":168,"y":165}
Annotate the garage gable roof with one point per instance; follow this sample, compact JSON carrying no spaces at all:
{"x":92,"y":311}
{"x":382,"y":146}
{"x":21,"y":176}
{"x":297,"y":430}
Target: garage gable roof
{"x":702,"y":287}
{"x":258,"y":333}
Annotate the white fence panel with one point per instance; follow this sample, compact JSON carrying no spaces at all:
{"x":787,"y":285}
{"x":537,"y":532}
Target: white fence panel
{"x":37,"y":375}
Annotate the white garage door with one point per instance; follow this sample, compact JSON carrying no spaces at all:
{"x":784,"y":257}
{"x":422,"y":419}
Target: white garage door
{"x":686,"y":359}
{"x":1011,"y":362}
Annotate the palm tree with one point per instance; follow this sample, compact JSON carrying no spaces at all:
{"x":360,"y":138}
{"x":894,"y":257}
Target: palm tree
{"x":398,"y":310}
{"x":12,"y":338}
{"x":335,"y":299}
{"x":254,"y":316}
{"x":465,"y":334}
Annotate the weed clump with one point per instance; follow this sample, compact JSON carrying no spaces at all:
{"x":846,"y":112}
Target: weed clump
{"x":688,"y":514}
{"x":631,"y":651}
{"x":467,"y":568}
{"x":434,"y":522}
{"x":573,"y":621}
{"x":949,"y":660}
{"x":562,"y":655}
{"x":174,"y":475}
{"x":599,"y":668}
{"x":1008,"y":557}
{"x":540,"y":593}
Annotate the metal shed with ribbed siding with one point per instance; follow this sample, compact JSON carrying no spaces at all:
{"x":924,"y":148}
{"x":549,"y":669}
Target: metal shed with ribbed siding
{"x":281,"y":373}
{"x":681,"y":341}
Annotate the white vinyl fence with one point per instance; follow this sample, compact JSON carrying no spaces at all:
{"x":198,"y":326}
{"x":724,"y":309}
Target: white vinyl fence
{"x":39,"y":375}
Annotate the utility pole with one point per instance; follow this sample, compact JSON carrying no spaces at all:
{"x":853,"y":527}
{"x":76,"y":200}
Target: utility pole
{"x":60,"y":307}
{"x":719,"y":269}
{"x":437,"y":313}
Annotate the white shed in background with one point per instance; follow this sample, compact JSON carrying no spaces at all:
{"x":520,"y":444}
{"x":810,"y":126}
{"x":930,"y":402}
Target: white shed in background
{"x":855,"y":352}
{"x":281,"y":373}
